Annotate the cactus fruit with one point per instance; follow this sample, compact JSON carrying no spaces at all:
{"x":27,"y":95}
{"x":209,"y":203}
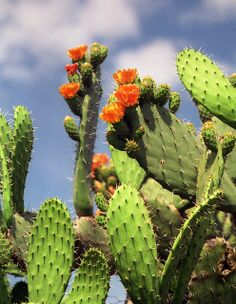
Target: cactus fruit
{"x":133,"y":245}
{"x":174,"y":102}
{"x":204,"y":113}
{"x":51,"y":252}
{"x":162,"y":94}
{"x":98,"y":54}
{"x":147,"y":89}
{"x":71,"y":128}
{"x":209,"y":136}
{"x":207,"y":84}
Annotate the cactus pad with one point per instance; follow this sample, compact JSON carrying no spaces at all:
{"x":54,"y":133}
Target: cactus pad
{"x":133,"y":245}
{"x":127,"y":169}
{"x":91,"y":281}
{"x":207,"y":84}
{"x":51,"y":252}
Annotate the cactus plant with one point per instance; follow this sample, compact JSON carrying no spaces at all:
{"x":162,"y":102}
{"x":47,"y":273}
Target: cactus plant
{"x":165,"y":201}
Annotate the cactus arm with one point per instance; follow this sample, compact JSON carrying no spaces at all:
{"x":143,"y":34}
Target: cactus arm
{"x":192,"y":255}
{"x":23,"y":144}
{"x":7,"y":208}
{"x":83,"y":201}
{"x":207,"y":84}
{"x":91,"y":281}
{"x":199,"y":223}
{"x":182,"y":241}
{"x":51,"y":252}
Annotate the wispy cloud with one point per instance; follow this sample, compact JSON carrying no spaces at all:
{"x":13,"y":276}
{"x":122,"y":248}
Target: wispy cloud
{"x":42,"y":30}
{"x":155,"y":59}
{"x":210,"y":11}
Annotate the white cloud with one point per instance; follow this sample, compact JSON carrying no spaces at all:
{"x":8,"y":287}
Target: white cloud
{"x":155,"y":59}
{"x":210,"y":11}
{"x":45,"y":29}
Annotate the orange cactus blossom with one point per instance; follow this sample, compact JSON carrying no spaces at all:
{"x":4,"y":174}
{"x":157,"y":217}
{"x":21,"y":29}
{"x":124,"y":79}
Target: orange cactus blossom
{"x":113,"y":112}
{"x":127,"y":94}
{"x":78,"y":52}
{"x":99,"y":159}
{"x":125,"y":76}
{"x":69,"y":90}
{"x":71,"y":69}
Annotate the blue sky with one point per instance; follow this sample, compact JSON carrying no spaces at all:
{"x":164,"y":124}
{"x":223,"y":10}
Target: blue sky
{"x":35,"y":36}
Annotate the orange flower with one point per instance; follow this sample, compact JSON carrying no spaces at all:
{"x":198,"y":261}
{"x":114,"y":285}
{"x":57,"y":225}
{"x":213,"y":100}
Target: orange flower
{"x":69,"y":90}
{"x":113,"y":112}
{"x":71,"y":69}
{"x":99,"y":159}
{"x":125,"y":76}
{"x":127,"y":94}
{"x":78,"y":52}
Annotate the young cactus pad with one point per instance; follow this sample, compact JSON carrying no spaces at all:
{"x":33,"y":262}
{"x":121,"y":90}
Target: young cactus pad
{"x":207,"y":84}
{"x":51,"y":252}
{"x":127,"y":169}
{"x":91,"y":281}
{"x":133,"y":245}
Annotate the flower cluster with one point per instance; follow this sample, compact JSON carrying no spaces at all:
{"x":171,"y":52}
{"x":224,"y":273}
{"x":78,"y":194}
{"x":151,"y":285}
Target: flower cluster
{"x":126,"y":95}
{"x":69,"y":90}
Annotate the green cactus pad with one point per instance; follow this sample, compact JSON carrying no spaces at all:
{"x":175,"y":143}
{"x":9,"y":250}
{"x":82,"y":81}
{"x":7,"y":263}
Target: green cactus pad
{"x":207,"y":84}
{"x":51,"y":252}
{"x":214,"y":277}
{"x":168,"y":150}
{"x":21,"y":230}
{"x":6,"y":136}
{"x":23,"y":144}
{"x":166,"y":218}
{"x":6,"y":187}
{"x":127,"y":169}
{"x":133,"y":246}
{"x":151,"y":190}
{"x":91,"y":281}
